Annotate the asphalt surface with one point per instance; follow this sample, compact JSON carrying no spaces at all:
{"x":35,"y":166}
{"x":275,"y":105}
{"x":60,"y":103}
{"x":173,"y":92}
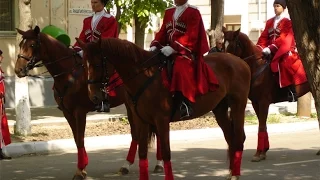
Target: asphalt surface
{"x":291,"y":157}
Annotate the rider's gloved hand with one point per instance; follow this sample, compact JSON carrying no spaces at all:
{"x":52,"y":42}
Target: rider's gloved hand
{"x":152,"y":48}
{"x":80,"y":53}
{"x":266,"y":52}
{"x":167,"y":50}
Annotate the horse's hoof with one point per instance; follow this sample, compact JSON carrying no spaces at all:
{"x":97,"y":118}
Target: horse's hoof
{"x":259,"y":158}
{"x":229,"y":177}
{"x":158,"y":169}
{"x":255,"y":159}
{"x":123,"y":171}
{"x":318,"y":153}
{"x":80,"y":175}
{"x":263,"y":157}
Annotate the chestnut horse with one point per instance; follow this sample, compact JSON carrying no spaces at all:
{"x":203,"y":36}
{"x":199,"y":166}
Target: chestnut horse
{"x":264,"y":86}
{"x":152,"y":103}
{"x":70,"y":89}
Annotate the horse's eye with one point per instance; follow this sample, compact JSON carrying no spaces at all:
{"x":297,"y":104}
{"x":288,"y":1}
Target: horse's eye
{"x":32,"y":45}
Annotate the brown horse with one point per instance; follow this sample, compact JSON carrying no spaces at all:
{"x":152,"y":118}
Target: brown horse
{"x":264,"y":87}
{"x":152,"y":103}
{"x":70,"y":89}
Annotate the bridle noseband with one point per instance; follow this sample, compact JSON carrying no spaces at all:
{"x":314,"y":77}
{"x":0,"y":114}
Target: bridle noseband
{"x":31,"y":61}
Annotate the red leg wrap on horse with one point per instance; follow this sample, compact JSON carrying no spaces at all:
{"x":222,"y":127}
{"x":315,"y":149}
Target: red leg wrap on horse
{"x":144,"y":173}
{"x":263,"y":141}
{"x":82,"y":158}
{"x":237,"y":163}
{"x":266,"y":142}
{"x":132,"y":151}
{"x":159,"y":155}
{"x":168,"y":170}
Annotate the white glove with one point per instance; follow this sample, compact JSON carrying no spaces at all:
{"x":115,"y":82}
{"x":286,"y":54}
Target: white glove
{"x":167,"y":50}
{"x":152,"y":48}
{"x":80,"y":53}
{"x":266,"y":51}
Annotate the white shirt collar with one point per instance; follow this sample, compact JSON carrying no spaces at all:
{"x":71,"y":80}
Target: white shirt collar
{"x":280,"y":16}
{"x":182,"y":6}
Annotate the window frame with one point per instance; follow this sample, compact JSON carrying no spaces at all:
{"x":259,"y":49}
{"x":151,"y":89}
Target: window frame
{"x":14,"y":20}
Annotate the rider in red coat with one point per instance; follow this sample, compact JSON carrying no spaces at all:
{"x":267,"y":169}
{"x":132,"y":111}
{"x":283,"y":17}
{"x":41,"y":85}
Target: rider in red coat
{"x":183,"y":37}
{"x":100,"y":25}
{"x":4,"y":128}
{"x":277,"y":40}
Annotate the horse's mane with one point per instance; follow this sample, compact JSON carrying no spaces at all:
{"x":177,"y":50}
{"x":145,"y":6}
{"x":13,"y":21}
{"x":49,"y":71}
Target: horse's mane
{"x":248,"y":44}
{"x":120,"y":48}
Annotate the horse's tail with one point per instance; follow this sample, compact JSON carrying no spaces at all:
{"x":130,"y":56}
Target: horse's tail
{"x":152,"y":136}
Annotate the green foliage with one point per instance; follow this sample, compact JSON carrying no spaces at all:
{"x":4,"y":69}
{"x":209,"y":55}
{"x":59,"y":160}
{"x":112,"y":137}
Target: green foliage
{"x":141,"y":9}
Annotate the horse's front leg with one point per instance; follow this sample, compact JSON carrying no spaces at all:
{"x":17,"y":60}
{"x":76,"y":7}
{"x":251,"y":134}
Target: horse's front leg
{"x":125,"y":169}
{"x":77,"y":121}
{"x":261,"y":108}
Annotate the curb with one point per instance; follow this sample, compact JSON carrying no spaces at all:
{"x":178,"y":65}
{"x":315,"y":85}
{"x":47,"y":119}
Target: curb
{"x":123,"y":141}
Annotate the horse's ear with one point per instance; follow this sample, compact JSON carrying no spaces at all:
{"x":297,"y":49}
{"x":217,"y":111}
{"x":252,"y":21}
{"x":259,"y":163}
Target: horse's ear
{"x":36,"y":30}
{"x":20,"y":31}
{"x":236,"y":33}
{"x":224,"y":29}
{"x":81,"y":43}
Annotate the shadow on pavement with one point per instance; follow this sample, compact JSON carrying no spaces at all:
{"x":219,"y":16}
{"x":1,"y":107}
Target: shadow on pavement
{"x":189,"y":164}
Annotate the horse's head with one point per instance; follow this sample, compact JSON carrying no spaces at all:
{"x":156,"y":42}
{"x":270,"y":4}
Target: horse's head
{"x":29,"y":51}
{"x":96,"y":68}
{"x":233,"y":43}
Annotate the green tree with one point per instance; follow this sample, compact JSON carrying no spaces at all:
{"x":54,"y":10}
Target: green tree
{"x":305,"y":18}
{"x":140,"y":11}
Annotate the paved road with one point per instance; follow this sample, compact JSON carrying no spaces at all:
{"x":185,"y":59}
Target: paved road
{"x":292,"y":157}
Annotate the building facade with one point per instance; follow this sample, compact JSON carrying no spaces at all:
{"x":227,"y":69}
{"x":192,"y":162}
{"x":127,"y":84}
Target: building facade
{"x":249,"y":15}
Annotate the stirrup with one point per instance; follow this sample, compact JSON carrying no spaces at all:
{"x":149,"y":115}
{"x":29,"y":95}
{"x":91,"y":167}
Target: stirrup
{"x":184,"y":110}
{"x":292,"y":97}
{"x":103,"y":107}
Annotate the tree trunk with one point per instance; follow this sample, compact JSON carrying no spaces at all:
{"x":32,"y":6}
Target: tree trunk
{"x":23,"y":114}
{"x":139,"y":32}
{"x":306,"y":25}
{"x":217,"y":13}
{"x":118,"y":17}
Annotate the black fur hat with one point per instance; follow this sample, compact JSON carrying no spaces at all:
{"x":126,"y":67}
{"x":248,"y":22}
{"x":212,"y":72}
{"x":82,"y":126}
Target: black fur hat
{"x":283,"y":3}
{"x":0,"y":52}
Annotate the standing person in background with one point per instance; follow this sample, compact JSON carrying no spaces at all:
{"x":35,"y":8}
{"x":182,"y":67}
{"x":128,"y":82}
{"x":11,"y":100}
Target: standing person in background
{"x":4,"y":128}
{"x":100,"y":25}
{"x":218,"y":47}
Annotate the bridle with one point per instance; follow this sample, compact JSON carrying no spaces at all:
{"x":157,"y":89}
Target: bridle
{"x":261,"y":69}
{"x":31,"y":61}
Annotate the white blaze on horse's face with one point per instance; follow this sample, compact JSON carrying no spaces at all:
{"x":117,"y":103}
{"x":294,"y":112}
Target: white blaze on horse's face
{"x":226,"y":44}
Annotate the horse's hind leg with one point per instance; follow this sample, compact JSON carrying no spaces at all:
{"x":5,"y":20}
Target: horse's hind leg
{"x":261,"y":108}
{"x":223,"y":120}
{"x":77,"y":122}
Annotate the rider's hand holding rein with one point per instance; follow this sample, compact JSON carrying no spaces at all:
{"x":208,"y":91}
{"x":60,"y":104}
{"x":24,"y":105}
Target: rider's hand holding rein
{"x":167,"y":50}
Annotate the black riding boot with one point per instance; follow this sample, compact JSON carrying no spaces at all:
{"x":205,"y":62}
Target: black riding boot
{"x":104,"y":106}
{"x":3,"y":156}
{"x":292,"y":94}
{"x":185,"y":106}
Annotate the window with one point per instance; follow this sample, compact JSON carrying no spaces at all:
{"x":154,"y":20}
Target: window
{"x":6,"y":15}
{"x":233,"y":27}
